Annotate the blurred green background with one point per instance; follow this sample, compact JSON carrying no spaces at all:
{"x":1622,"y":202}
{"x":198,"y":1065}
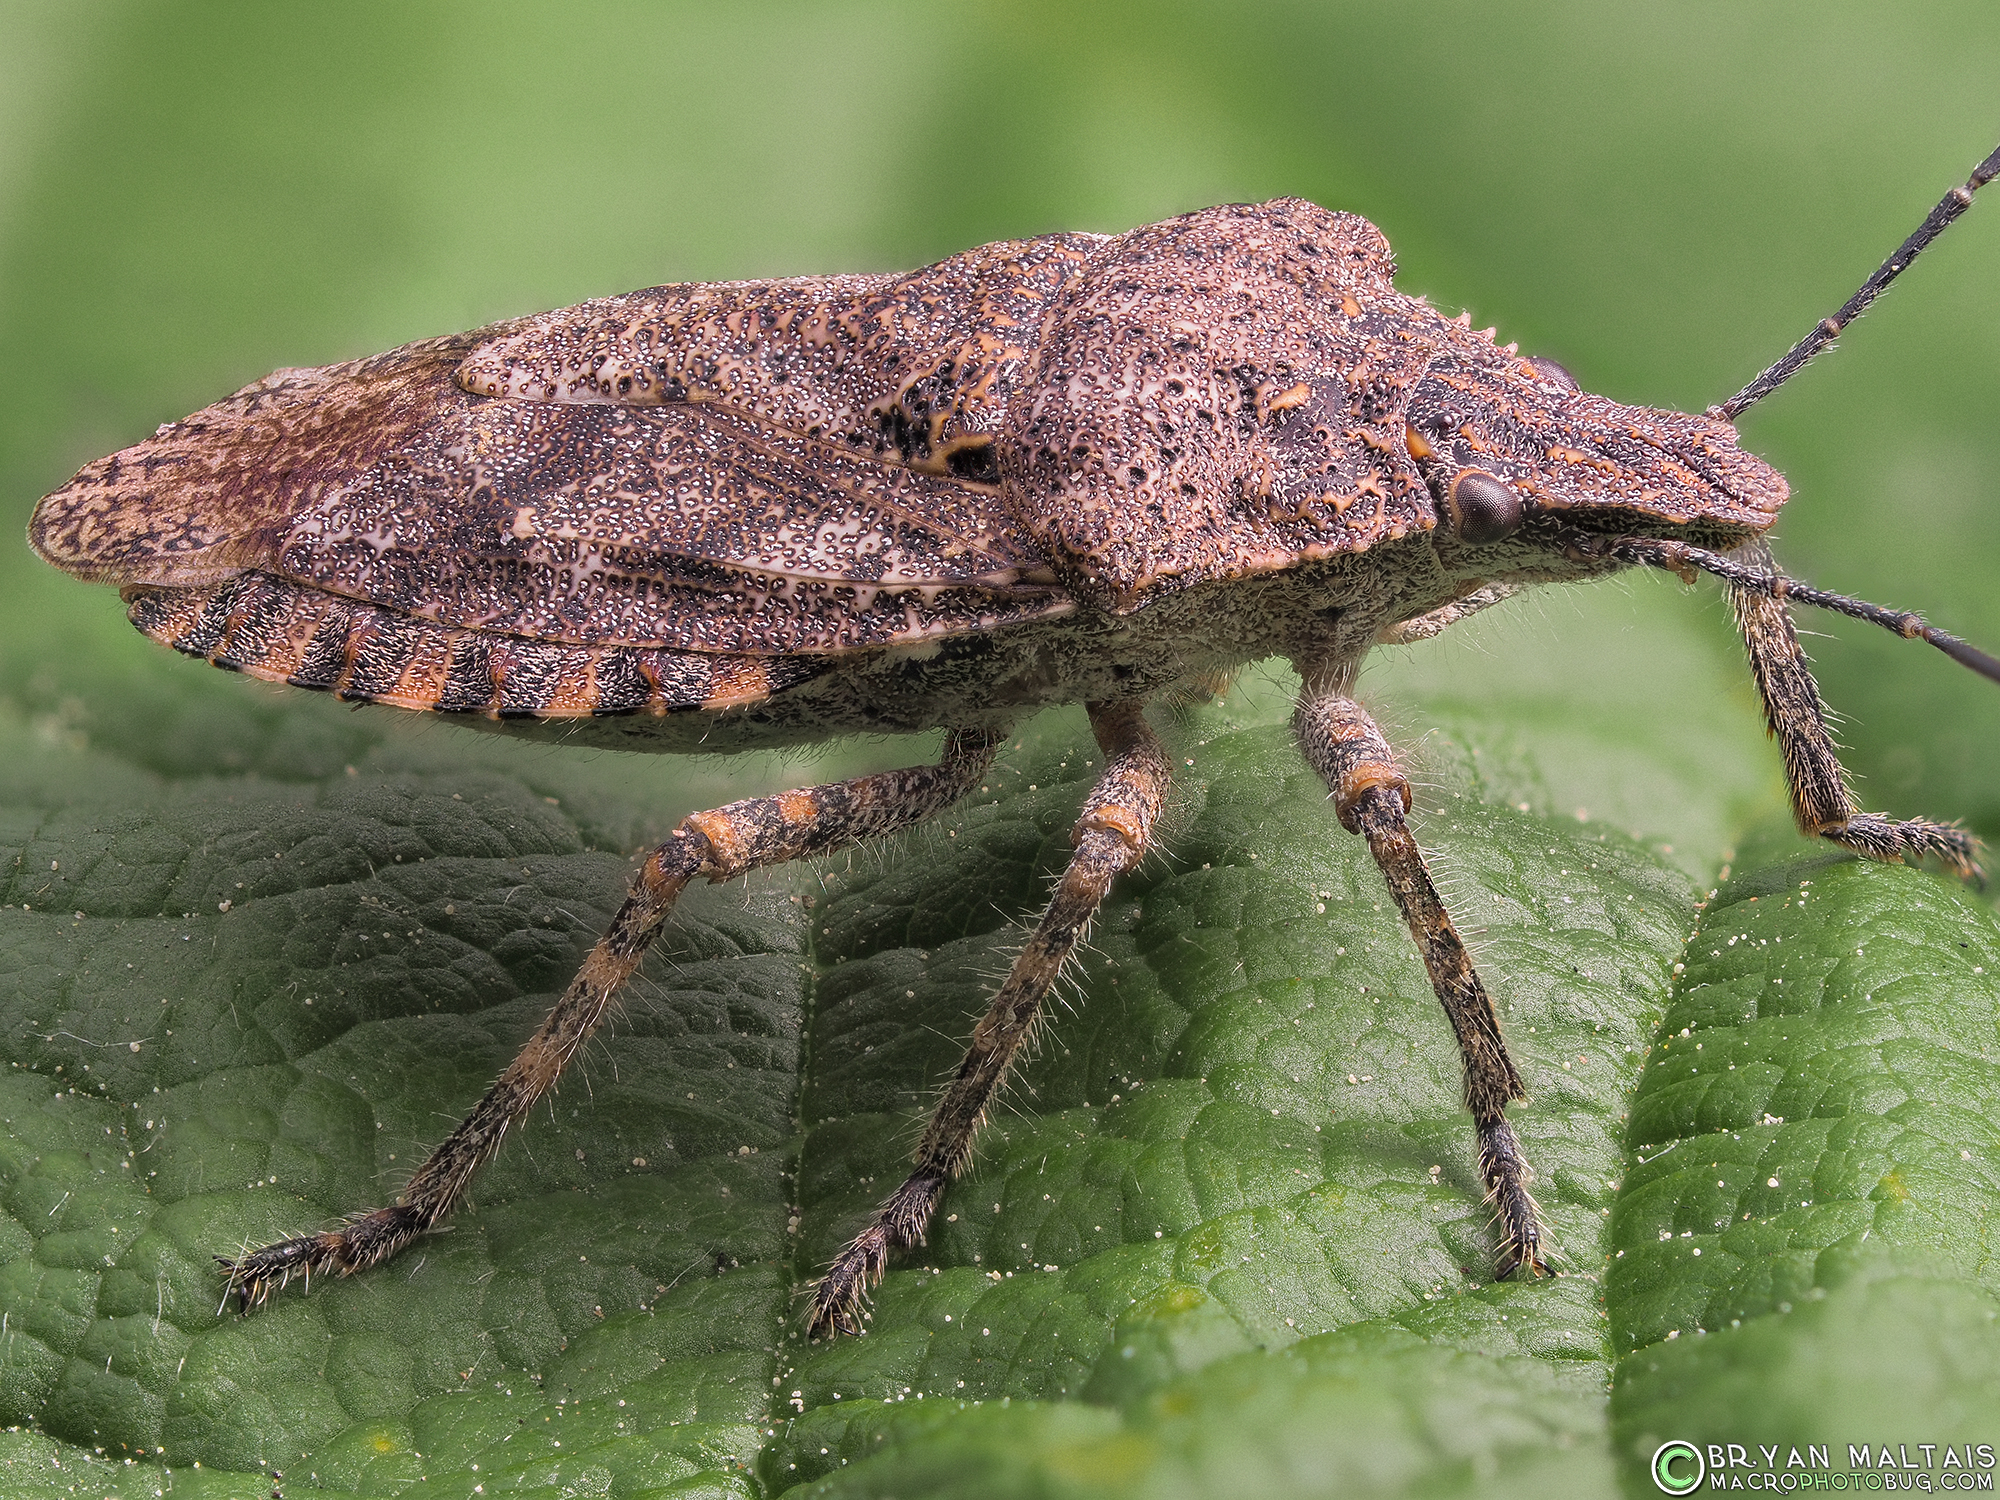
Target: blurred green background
{"x":1661,"y":197}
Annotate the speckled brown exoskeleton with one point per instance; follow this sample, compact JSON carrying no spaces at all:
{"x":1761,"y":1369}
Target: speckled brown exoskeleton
{"x":1074,"y":468}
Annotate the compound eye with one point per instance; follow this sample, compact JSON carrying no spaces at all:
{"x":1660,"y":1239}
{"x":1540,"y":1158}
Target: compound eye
{"x":1552,"y":372}
{"x":1483,"y":509}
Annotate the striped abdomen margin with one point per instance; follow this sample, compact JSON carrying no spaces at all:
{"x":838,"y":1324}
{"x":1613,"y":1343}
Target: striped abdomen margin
{"x":284,"y":632}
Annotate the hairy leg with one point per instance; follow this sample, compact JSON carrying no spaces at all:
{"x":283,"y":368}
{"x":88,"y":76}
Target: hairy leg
{"x":1792,"y":707}
{"x":1371,"y":796}
{"x":1109,"y":838}
{"x":718,"y":845}
{"x":1423,"y":627}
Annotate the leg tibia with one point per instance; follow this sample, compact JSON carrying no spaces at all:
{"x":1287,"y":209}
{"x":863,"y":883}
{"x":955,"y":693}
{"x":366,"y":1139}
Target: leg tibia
{"x":718,"y":845}
{"x":1793,"y":708}
{"x":1797,"y":719}
{"x":1371,"y":796}
{"x":1110,"y":837}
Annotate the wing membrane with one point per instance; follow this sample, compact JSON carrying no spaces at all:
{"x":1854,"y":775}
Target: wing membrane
{"x":682,"y":526}
{"x":806,"y":467}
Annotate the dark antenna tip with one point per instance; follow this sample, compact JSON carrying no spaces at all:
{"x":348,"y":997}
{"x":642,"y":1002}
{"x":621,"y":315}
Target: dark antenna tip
{"x":1935,"y":223}
{"x":1965,"y":654}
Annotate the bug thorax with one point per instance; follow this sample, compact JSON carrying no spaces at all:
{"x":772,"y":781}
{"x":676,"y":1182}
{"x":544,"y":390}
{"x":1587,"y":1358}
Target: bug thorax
{"x":1241,"y":391}
{"x":1208,"y":404}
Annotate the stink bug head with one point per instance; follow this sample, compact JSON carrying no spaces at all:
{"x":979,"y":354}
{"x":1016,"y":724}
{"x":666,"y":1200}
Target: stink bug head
{"x":1578,"y":459}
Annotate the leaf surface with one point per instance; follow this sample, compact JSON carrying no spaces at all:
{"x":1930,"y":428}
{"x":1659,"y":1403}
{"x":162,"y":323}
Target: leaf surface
{"x":1228,"y":1222}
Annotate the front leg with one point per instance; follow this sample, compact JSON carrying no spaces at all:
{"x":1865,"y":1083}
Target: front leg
{"x":1821,"y":803}
{"x":1371,"y":797}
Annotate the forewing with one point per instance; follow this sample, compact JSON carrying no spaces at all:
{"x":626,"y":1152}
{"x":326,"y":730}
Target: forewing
{"x":207,"y":497}
{"x":915,"y":368}
{"x":691,"y":527}
{"x":752,"y":467}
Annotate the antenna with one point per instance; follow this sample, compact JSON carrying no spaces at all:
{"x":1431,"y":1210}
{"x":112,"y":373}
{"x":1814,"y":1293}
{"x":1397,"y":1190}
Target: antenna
{"x":1679,"y":557}
{"x":1949,"y":208}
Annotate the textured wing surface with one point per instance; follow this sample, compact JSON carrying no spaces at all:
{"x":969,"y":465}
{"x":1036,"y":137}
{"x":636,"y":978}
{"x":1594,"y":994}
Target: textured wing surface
{"x":206,"y":497}
{"x":759,"y":467}
{"x":915,"y":368}
{"x":688,"y":527}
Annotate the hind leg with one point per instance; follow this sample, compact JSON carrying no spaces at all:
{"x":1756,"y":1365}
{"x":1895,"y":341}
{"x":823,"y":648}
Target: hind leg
{"x":718,"y":845}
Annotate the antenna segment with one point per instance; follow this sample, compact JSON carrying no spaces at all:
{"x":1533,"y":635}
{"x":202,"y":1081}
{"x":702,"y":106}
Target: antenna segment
{"x":1935,"y":223}
{"x":1679,"y":557}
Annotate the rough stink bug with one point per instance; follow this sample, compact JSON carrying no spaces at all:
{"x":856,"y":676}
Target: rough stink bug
{"x":1075,"y":468}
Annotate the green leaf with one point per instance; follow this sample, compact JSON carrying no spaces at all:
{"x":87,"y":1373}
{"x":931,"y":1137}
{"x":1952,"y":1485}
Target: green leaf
{"x":1235,"y":1192}
{"x":1228,"y":1224}
{"x":1803,"y":1243}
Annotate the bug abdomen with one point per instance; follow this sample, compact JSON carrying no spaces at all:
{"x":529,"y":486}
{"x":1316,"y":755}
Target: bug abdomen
{"x":286,"y":632}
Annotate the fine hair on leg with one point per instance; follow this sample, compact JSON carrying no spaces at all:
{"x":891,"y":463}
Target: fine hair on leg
{"x":1372,"y":798}
{"x":1110,"y":837}
{"x":718,"y":845}
{"x":1821,"y":801}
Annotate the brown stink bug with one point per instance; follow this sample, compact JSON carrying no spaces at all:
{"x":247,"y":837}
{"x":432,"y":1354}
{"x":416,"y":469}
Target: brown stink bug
{"x":1068,"y":469}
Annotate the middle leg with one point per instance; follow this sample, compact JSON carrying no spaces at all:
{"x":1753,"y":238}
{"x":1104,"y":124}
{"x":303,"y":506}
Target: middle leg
{"x":1371,"y":797}
{"x":1109,"y":838}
